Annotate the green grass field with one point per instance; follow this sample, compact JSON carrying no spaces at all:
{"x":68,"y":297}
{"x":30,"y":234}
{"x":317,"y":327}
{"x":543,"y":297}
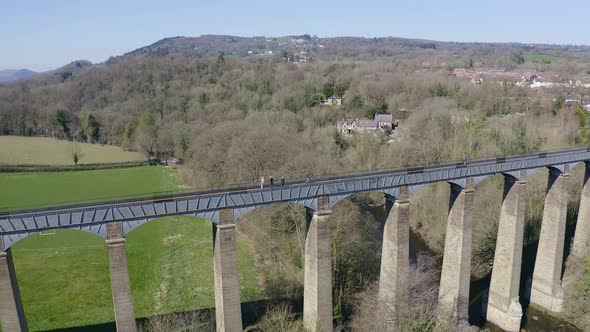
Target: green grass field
{"x":64,"y":277}
{"x":49,"y":151}
{"x":29,"y":190}
{"x":179,"y":275}
{"x":538,"y":57}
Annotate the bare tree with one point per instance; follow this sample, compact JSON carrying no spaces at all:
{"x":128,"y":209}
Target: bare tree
{"x":416,"y":309}
{"x":279,"y":318}
{"x":179,"y":322}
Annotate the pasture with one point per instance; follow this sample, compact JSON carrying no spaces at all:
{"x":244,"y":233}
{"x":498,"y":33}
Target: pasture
{"x":540,"y":58}
{"x":30,"y":190}
{"x":19,"y":150}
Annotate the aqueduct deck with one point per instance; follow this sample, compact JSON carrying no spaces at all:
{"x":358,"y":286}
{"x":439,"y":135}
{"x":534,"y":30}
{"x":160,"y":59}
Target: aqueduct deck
{"x":134,"y":212}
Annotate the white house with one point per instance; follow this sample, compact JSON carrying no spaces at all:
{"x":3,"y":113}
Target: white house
{"x":334,"y":100}
{"x":347,"y":125}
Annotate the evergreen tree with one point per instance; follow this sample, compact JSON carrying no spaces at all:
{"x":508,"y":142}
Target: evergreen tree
{"x":91,"y":128}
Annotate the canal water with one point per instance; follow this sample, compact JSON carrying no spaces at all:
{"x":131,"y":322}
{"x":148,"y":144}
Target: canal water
{"x":533,"y":320}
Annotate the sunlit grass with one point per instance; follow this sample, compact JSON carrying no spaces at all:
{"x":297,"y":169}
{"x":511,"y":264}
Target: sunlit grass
{"x":50,"y":151}
{"x":30,"y":190}
{"x":64,"y":276}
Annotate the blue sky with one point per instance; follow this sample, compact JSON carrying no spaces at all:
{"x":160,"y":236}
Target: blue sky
{"x":45,"y":34}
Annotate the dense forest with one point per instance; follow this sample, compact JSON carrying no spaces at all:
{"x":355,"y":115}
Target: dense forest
{"x":218,"y":111}
{"x":234,"y":109}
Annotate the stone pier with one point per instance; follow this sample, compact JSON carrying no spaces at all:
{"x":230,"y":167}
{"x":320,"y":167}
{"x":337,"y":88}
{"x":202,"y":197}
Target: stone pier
{"x":122,"y":298}
{"x":317,"y":292}
{"x":581,"y":246}
{"x":456,"y":270}
{"x":12,"y":314}
{"x":504,"y":307}
{"x":546,"y":289}
{"x":228,"y":312}
{"x":394,"y":257}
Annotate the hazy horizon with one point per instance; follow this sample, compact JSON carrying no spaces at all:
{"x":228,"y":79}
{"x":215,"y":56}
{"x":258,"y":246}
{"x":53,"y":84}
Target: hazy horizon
{"x":43,"y":35}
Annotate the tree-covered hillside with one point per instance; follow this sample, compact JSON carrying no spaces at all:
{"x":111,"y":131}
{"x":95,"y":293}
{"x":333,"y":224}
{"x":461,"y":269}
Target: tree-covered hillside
{"x":237,"y":116}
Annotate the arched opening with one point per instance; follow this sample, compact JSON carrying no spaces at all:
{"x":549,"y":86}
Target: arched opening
{"x":277,"y":233}
{"x":429,"y":212}
{"x":171,"y":270}
{"x":64,"y":280}
{"x":429,"y":209}
{"x":575,"y":185}
{"x":357,"y":234}
{"x":486,"y":215}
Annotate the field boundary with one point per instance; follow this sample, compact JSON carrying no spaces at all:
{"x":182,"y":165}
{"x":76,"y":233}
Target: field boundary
{"x":7,"y":168}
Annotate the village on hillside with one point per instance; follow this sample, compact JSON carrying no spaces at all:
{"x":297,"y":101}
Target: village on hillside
{"x":540,"y":82}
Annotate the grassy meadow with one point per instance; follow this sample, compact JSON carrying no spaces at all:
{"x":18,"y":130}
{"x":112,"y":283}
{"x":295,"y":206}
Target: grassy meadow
{"x":18,"y":150}
{"x":63,"y":275}
{"x":540,"y":58}
{"x":30,"y":189}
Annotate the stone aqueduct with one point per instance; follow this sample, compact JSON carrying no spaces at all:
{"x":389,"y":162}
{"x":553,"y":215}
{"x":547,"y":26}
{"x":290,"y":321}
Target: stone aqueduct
{"x":113,"y":220}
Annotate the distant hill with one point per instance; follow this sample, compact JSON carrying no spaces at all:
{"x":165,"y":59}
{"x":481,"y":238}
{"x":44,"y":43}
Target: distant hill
{"x":74,"y":66}
{"x":71,"y":69}
{"x":304,"y":48}
{"x":54,"y":76}
{"x":13,"y":75}
{"x":298,"y":49}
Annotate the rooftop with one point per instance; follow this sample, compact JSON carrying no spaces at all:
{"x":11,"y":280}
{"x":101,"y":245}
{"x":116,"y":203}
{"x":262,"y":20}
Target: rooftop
{"x":380,"y":117}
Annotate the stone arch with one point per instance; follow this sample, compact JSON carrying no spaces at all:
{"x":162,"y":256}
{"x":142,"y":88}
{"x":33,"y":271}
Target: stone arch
{"x":558,"y":168}
{"x":241,"y":212}
{"x":388,"y":192}
{"x":414,"y":188}
{"x":478,"y":179}
{"x":8,"y":240}
{"x":458,"y":183}
{"x":129,"y":225}
{"x":527,"y":172}
{"x":454,"y":183}
{"x":310,"y":204}
{"x":515,"y":175}
{"x":333,"y":200}
{"x":462,"y":182}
